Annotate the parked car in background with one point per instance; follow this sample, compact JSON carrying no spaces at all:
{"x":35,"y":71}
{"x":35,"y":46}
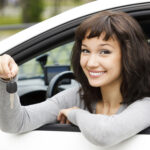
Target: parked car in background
{"x":43,"y":55}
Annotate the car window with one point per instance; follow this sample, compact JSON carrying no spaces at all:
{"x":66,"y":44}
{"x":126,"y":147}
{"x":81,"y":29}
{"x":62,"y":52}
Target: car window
{"x":56,"y":56}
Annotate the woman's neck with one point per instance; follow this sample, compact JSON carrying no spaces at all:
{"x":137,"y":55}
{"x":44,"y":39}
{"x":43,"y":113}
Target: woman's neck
{"x":111,"y":99}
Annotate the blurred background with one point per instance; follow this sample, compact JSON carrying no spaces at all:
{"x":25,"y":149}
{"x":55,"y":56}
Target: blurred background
{"x":16,"y":15}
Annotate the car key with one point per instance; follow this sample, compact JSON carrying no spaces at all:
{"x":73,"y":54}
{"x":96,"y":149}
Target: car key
{"x":11,"y":88}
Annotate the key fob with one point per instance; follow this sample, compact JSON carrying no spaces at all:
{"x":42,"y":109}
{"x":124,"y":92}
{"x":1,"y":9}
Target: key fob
{"x":11,"y":87}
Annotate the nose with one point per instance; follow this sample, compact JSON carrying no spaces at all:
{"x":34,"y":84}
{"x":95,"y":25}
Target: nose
{"x":93,"y":61}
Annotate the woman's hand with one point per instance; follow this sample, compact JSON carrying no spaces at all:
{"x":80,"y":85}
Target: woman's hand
{"x":62,"y":116}
{"x":8,"y":67}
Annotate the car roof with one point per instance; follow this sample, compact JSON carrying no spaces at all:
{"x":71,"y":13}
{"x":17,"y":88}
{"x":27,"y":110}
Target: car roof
{"x":62,"y":18}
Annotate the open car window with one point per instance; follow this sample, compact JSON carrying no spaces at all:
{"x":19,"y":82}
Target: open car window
{"x":55,"y":57}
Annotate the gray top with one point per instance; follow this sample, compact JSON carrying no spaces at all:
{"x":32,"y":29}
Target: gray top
{"x":98,"y":128}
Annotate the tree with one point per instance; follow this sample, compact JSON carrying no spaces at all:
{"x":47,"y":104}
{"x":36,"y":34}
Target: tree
{"x":76,"y":1}
{"x":32,"y":10}
{"x":2,"y":4}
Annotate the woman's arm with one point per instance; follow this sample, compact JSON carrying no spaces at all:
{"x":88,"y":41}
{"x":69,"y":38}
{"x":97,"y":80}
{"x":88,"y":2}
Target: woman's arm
{"x":20,"y":118}
{"x":26,"y":118}
{"x":109,"y":130}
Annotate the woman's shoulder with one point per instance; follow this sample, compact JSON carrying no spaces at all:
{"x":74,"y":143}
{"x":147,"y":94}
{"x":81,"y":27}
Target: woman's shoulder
{"x":142,"y":103}
{"x":143,"y":100}
{"x":146,"y":99}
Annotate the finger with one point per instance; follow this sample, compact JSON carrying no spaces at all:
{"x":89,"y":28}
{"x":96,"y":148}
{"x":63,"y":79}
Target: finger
{"x":14,"y":68}
{"x":63,"y":119}
{"x":5,"y":70}
{"x":67,"y":121}
{"x":2,"y":75}
{"x":1,"y":69}
{"x":5,"y":66}
{"x":59,"y":116}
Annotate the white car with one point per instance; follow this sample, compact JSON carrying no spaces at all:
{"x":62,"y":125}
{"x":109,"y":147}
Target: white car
{"x":42,"y":51}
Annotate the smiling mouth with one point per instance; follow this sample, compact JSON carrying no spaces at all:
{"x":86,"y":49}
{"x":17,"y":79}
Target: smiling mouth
{"x":96,"y":74}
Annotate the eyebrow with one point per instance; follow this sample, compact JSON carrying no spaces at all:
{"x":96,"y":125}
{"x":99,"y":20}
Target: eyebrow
{"x":99,"y":45}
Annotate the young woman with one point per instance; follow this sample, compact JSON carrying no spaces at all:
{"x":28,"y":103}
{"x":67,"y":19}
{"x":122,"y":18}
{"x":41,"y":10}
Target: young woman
{"x":111,"y":60}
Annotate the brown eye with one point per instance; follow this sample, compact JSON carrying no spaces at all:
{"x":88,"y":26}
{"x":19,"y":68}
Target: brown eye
{"x":105,"y":52}
{"x":84,"y":51}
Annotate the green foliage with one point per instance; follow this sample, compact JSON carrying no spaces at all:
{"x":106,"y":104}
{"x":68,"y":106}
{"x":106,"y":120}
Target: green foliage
{"x":6,"y":20}
{"x":32,"y":10}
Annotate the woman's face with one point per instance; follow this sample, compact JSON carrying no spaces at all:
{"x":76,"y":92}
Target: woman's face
{"x":101,"y":61}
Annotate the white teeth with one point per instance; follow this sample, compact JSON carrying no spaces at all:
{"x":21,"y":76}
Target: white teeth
{"x":96,"y":73}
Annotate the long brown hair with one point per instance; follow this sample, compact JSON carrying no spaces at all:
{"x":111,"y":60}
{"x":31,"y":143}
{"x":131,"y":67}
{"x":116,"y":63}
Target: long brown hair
{"x":135,"y":55}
